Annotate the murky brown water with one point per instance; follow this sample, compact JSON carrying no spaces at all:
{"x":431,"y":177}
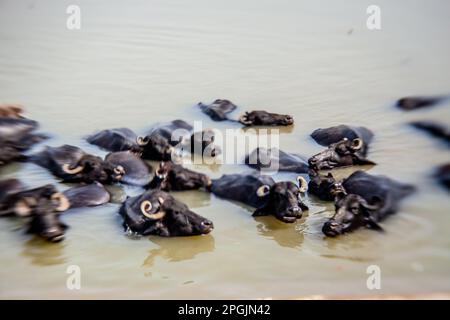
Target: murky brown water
{"x":141,"y":62}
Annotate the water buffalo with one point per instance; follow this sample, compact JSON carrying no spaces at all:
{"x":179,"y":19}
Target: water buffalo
{"x":72,"y":164}
{"x":340,"y":154}
{"x":156,"y":212}
{"x":413,"y":103}
{"x":277,"y":160}
{"x":221,"y":109}
{"x":281,"y":199}
{"x":442,"y":174}
{"x":9,"y":153}
{"x":16,"y":137}
{"x":367,"y":200}
{"x":11,"y":111}
{"x":328,"y":136}
{"x":170,"y":176}
{"x":435,"y":129}
{"x":42,"y":205}
{"x":136,"y":171}
{"x":123,"y":139}
{"x":325,"y":187}
{"x":119,"y":139}
{"x":218,"y":110}
{"x":179,"y":133}
{"x":264,"y":118}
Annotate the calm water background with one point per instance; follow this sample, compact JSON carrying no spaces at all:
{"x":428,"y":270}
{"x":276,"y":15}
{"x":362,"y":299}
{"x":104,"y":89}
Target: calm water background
{"x":135,"y":63}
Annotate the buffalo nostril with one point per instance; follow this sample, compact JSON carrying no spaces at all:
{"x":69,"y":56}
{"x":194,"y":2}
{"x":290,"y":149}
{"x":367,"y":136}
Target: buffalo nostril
{"x":207,"y":223}
{"x":293,"y":209}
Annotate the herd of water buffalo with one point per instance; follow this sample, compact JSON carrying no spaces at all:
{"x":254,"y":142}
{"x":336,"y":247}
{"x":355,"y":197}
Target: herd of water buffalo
{"x":361,"y":200}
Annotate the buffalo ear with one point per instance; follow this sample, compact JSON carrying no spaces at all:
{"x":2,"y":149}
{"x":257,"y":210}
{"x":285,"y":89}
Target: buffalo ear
{"x":259,"y":213}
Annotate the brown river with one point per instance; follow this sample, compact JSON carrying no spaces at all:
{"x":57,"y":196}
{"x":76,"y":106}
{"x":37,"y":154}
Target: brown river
{"x":135,"y":63}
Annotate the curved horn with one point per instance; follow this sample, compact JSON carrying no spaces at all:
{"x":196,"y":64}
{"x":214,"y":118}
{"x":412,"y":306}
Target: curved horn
{"x":22,"y":208}
{"x":66,"y":168}
{"x":244,"y":120}
{"x":302,"y":184}
{"x":377,"y":205}
{"x":119,"y":170}
{"x":357,"y":144}
{"x":263,"y":191}
{"x":63,"y":202}
{"x":142,"y":141}
{"x":146,"y":207}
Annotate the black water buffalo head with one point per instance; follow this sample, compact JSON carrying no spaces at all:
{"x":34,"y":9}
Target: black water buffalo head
{"x":352,"y":212}
{"x":90,"y":168}
{"x":158,"y":213}
{"x":324,"y":187}
{"x":170,"y":176}
{"x":264,"y":118}
{"x":43,"y":206}
{"x":203,"y":142}
{"x":282,"y":200}
{"x":340,"y":154}
{"x":155,"y":147}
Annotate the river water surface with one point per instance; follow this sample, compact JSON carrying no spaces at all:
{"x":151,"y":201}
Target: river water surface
{"x":135,"y":63}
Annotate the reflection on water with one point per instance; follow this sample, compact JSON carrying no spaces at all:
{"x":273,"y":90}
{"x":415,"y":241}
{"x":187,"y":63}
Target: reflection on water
{"x":42,"y":253}
{"x":171,"y":250}
{"x":288,"y":235}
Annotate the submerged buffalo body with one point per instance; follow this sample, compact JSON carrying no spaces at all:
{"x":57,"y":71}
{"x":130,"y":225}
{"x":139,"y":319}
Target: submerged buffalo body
{"x":72,"y":164}
{"x":155,"y":212}
{"x":340,"y":154}
{"x":281,"y":199}
{"x":136,"y":171}
{"x":221,"y":110}
{"x":435,"y":129}
{"x":328,"y":136}
{"x":16,"y":136}
{"x":365,"y":201}
{"x":413,"y":103}
{"x":170,"y":176}
{"x":90,"y":195}
{"x":277,"y":160}
{"x":120,"y":139}
{"x":442,"y":174}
